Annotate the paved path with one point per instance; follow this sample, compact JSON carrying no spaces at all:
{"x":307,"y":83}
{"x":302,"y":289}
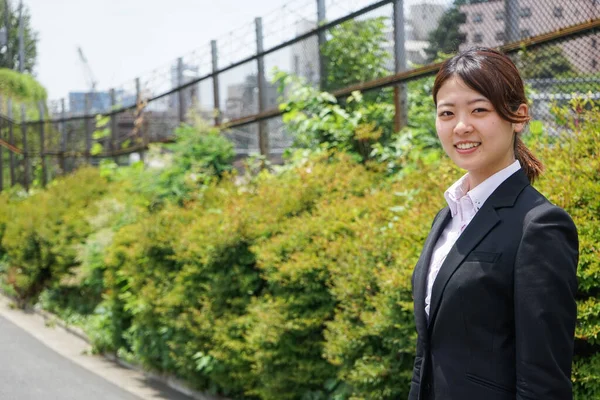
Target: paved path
{"x":43,"y":363}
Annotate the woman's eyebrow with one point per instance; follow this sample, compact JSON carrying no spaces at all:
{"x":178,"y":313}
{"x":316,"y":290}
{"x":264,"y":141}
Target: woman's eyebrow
{"x":478,"y":100}
{"x":449,"y":104}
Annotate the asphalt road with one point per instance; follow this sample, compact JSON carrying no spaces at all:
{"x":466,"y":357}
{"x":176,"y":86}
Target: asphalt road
{"x":30,"y":370}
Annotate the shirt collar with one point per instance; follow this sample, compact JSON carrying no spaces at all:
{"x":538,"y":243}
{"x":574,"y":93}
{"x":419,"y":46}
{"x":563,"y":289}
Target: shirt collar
{"x":481,"y":192}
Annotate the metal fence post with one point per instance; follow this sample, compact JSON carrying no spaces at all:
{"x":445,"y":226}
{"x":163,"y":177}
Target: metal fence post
{"x":1,"y":147}
{"x":321,"y":39}
{"x":11,"y":140}
{"x":139,"y":114}
{"x":43,"y":144}
{"x":511,"y":24}
{"x":401,"y":115}
{"x":180,"y":96}
{"x":113,"y":125}
{"x":63,"y":136}
{"x":263,"y":133}
{"x":215,"y":79}
{"x":88,"y":127}
{"x":26,"y":158}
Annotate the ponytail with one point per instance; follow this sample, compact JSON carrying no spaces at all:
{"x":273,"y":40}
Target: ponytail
{"x":532,"y":166}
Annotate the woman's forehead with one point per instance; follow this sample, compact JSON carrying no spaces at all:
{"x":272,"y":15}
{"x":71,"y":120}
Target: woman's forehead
{"x":455,"y":90}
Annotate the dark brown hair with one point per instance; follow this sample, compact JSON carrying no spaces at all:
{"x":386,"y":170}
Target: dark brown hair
{"x":496,"y":77}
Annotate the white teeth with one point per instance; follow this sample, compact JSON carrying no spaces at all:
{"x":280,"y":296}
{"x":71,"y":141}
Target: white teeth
{"x":466,"y":146}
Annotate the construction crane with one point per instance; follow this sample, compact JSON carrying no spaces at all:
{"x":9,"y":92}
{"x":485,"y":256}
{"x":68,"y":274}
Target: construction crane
{"x":89,"y":76}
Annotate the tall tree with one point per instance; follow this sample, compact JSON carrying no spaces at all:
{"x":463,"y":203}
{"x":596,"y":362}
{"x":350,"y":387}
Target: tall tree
{"x":356,"y":53}
{"x":545,"y":62}
{"x":9,"y":54}
{"x":446,"y":37}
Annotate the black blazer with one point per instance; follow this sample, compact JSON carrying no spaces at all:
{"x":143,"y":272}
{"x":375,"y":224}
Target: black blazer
{"x":503,"y":312}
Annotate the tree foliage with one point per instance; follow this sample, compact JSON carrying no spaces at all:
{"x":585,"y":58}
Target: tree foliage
{"x":545,"y":62}
{"x":446,"y":38}
{"x":9,"y":55}
{"x":355,"y":53}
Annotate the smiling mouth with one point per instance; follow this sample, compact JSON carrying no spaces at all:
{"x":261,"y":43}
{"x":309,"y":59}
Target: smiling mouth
{"x":466,"y":146}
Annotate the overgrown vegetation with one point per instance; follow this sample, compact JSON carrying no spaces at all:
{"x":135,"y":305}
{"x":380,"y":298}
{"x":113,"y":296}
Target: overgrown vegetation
{"x":21,"y":87}
{"x":293,"y":285}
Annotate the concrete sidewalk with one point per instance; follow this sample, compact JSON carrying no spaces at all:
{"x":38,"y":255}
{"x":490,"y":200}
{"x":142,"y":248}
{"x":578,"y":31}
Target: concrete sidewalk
{"x":77,"y":350}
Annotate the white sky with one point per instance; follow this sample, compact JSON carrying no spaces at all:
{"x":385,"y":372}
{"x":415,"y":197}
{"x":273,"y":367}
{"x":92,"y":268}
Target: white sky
{"x":123,"y":39}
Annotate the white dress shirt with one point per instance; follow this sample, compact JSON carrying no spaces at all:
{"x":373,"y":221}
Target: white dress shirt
{"x":463,"y":204}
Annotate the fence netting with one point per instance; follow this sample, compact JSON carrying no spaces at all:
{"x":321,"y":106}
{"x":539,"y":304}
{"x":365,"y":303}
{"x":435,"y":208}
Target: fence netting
{"x":319,"y":42}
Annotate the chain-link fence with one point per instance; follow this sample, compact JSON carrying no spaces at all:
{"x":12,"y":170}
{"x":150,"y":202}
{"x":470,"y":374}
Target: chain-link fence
{"x":229,"y":81}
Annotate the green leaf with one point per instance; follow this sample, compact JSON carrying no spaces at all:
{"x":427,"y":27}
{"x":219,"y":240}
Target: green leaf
{"x":96,"y":149}
{"x":102,"y":120}
{"x":536,"y":127}
{"x":101,"y":133}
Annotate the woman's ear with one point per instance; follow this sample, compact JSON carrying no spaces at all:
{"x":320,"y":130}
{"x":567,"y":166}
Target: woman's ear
{"x":522,"y":110}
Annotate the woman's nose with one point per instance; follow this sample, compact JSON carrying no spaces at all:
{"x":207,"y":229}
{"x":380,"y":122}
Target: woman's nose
{"x":463,"y":127}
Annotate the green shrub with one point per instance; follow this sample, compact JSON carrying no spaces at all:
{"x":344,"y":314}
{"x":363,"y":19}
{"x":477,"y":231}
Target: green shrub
{"x":44,"y":230}
{"x":199,"y":155}
{"x":293,"y":285}
{"x":572,"y":181}
{"x":21,"y":87}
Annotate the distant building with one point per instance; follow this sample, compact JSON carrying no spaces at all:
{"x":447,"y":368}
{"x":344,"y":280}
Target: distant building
{"x":191,"y":95}
{"x":424,"y":18}
{"x":242,"y":98}
{"x":99,"y":102}
{"x":485,"y":26}
{"x":242,"y":101}
{"x":305,"y":54}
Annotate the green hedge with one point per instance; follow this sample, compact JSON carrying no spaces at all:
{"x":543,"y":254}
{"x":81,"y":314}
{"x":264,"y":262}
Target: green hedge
{"x":293,"y":285}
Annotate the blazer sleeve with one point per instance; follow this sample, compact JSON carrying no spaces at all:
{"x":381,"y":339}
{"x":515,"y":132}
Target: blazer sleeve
{"x":545,"y":284}
{"x":415,"y":383}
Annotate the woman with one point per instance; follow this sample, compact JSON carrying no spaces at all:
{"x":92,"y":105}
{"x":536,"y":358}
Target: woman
{"x":494,"y":288}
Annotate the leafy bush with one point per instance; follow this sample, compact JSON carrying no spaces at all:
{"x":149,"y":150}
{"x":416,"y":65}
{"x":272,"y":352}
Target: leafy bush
{"x":360,"y":126}
{"x":43,"y":230}
{"x":573,"y":182}
{"x":297,"y":285}
{"x":320,"y":122}
{"x":199,"y":155}
{"x":418,"y":138}
{"x":293,"y":285}
{"x":21,"y":86}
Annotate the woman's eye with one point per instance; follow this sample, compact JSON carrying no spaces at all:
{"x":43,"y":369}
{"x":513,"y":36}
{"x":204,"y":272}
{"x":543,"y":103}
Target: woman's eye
{"x":479,"y":110}
{"x":444,"y":114}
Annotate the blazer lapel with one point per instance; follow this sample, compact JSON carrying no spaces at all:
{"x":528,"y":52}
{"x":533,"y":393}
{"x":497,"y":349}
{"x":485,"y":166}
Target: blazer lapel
{"x":483,"y":222}
{"x":422,"y":269}
{"x":485,"y":219}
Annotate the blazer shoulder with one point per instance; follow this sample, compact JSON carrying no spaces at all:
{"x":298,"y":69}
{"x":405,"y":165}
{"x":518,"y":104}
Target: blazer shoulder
{"x":538,"y":207}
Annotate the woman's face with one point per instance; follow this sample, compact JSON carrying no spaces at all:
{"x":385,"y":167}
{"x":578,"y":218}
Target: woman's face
{"x":472,"y":133}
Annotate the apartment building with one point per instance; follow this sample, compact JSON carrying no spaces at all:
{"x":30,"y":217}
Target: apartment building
{"x":486,"y":26}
